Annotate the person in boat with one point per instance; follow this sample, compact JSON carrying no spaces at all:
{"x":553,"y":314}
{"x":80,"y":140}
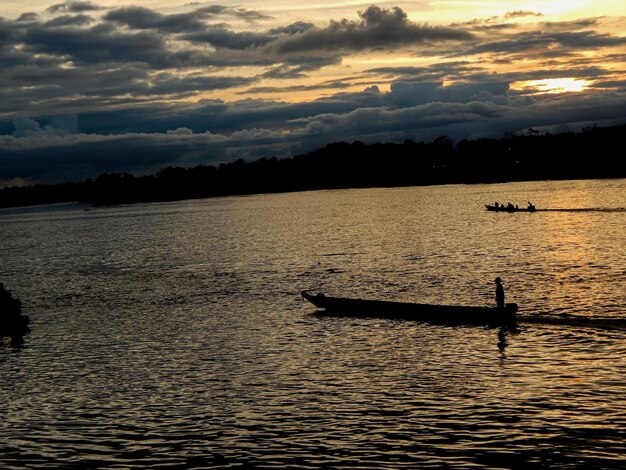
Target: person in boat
{"x":6,"y":299}
{"x":496,"y":205}
{"x":530,"y":206}
{"x":510,"y":206}
{"x":10,"y":308}
{"x":499,"y":293}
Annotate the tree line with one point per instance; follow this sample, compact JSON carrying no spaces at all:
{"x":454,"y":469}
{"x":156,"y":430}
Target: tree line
{"x":591,"y":153}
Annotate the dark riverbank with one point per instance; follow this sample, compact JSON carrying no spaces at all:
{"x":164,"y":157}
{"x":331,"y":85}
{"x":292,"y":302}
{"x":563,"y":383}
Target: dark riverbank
{"x":588,"y":154}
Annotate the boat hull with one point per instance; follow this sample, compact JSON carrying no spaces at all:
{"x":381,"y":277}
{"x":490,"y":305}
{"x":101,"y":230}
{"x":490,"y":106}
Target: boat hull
{"x":440,"y":314}
{"x":508,"y":209}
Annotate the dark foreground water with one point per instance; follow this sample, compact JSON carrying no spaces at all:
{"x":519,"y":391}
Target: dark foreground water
{"x":173,"y":335}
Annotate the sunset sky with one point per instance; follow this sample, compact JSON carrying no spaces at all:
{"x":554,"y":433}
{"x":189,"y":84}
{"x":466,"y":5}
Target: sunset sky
{"x":93,"y":87}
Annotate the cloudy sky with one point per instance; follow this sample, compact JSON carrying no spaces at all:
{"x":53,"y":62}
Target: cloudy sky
{"x":88,"y":87}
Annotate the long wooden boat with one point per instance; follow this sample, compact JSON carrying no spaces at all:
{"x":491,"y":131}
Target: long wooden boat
{"x":510,"y":209}
{"x":440,"y":314}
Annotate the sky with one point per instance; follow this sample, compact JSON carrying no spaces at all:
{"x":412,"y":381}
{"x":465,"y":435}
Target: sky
{"x":88,"y":87}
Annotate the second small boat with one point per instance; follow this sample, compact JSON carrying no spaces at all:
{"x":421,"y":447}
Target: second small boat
{"x":503,"y":208}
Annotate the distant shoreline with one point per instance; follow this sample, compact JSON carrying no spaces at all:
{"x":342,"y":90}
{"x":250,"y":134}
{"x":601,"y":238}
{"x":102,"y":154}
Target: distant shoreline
{"x":590,"y":154}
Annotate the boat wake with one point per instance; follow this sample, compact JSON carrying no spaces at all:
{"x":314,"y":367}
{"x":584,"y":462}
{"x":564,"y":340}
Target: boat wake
{"x":585,"y":209}
{"x":605,"y":323}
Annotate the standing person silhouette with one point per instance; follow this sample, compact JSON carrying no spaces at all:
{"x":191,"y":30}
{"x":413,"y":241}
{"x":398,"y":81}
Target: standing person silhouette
{"x":499,"y":293}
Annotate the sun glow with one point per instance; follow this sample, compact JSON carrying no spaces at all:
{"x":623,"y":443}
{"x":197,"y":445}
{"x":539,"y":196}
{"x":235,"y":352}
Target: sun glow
{"x":561,"y":6}
{"x":552,"y":85}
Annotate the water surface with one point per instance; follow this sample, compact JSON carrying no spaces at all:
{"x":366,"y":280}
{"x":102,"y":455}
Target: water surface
{"x":173,"y":335}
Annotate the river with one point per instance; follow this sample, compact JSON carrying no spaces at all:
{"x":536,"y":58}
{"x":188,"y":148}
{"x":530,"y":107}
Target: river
{"x":173,"y":335}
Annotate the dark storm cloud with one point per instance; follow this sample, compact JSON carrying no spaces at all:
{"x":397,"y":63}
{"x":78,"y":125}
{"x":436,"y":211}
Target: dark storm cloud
{"x":85,"y":78}
{"x":293,"y":28}
{"x":69,"y":20}
{"x":192,"y":26}
{"x":463,"y":120}
{"x":173,"y":84}
{"x":69,"y":90}
{"x":74,"y":7}
{"x":219,"y":36}
{"x":27,"y":17}
{"x":101,"y":43}
{"x":298,"y":67}
{"x":144,"y":18}
{"x":334,"y":85}
{"x":569,"y":25}
{"x":9,"y":32}
{"x":226,"y":118}
{"x":610,"y":84}
{"x":377,"y":28}
{"x":374,"y":123}
{"x":546,"y":43}
{"x":451,"y":70}
{"x":406,"y":93}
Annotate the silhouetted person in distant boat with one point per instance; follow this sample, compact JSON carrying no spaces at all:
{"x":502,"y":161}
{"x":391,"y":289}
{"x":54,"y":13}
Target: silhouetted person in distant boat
{"x":530,"y":206}
{"x":496,"y":205}
{"x":499,"y":293}
{"x":509,"y":206}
